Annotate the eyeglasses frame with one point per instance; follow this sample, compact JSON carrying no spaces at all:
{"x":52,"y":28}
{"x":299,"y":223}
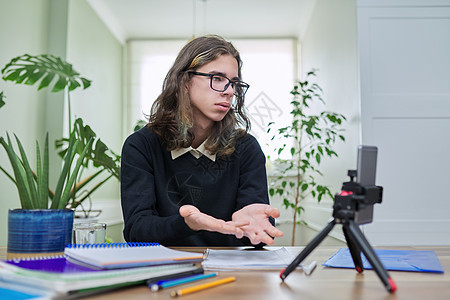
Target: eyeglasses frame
{"x":232,"y":82}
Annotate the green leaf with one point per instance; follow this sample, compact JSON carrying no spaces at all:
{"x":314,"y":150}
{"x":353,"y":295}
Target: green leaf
{"x":19,"y":174}
{"x":2,"y":99}
{"x":141,"y":123}
{"x":280,"y":191}
{"x":98,"y":153}
{"x":44,"y":68}
{"x":64,"y":173}
{"x":43,"y":174}
{"x":30,"y":183}
{"x":8,"y":175}
{"x":72,"y":178}
{"x":319,"y":148}
{"x":80,"y":186}
{"x":304,"y":187}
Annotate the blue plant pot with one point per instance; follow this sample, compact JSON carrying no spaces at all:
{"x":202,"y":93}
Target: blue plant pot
{"x":39,"y":230}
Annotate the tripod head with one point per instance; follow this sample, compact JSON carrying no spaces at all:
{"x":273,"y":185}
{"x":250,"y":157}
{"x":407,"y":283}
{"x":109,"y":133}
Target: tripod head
{"x":353,"y":206}
{"x":356,"y":201}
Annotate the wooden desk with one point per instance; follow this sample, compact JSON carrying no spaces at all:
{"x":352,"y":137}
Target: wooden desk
{"x":323,"y":283}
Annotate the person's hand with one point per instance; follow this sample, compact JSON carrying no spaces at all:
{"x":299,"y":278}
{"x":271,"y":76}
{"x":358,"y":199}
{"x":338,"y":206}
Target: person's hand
{"x":196,"y":220}
{"x":259,"y":229}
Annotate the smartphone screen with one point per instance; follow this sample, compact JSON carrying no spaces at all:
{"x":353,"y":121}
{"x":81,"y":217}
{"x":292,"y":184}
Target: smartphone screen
{"x":365,"y":176}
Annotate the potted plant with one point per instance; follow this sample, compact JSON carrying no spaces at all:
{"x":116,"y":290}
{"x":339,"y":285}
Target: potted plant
{"x":37,"y":200}
{"x":51,"y":71}
{"x":312,"y":137}
{"x":43,"y":225}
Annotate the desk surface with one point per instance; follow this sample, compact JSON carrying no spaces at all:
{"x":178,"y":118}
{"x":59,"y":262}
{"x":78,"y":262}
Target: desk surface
{"x":323,"y":283}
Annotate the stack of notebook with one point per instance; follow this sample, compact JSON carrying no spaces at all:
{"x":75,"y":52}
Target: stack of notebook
{"x":87,"y":269}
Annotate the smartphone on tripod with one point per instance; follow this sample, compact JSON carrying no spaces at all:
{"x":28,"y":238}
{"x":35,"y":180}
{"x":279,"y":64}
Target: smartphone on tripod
{"x":365,"y":176}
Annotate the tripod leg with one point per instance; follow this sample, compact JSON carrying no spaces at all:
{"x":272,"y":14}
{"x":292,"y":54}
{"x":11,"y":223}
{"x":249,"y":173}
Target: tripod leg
{"x":361,"y":241}
{"x":355,"y":251}
{"x":308,"y":249}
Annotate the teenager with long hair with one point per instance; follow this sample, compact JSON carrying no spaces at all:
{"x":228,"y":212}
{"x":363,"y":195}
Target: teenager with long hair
{"x":194,"y":176}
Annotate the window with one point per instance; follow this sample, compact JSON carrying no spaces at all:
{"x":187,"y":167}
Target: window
{"x":269,"y":67}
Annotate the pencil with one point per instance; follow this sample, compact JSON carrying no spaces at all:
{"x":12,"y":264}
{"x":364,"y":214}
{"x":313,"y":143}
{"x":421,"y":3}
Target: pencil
{"x":152,"y":281}
{"x":174,"y":282}
{"x":201,"y":287}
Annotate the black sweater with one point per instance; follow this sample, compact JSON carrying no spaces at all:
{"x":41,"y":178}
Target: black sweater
{"x":154,"y":186}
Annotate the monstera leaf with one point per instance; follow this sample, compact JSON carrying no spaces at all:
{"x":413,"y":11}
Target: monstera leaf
{"x":47,"y":69}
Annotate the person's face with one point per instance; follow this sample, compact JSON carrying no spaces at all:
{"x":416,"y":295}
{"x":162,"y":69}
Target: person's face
{"x":208,"y":105}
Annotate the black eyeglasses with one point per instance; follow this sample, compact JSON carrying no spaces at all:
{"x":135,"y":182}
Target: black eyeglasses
{"x":220,"y":83}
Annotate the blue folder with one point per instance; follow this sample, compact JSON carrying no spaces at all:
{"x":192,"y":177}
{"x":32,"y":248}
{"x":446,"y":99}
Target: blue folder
{"x":392,"y":260}
{"x":16,"y":295}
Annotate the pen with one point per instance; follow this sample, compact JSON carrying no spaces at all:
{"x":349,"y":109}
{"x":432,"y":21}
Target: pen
{"x":169,"y":283}
{"x":151,"y":281}
{"x":201,"y":287}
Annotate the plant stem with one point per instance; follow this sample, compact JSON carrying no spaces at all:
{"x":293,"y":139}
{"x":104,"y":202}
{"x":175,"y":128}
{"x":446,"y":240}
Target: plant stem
{"x":66,"y":90}
{"x":298,"y":140}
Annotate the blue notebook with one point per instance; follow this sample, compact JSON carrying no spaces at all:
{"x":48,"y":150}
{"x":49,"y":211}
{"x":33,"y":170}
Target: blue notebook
{"x":51,"y":264}
{"x":17,"y":295}
{"x":392,"y":260}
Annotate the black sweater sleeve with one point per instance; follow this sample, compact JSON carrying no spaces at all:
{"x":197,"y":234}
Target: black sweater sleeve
{"x":141,"y":219}
{"x":252,"y":174}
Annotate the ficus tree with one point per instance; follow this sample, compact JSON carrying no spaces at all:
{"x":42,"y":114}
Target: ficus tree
{"x":308,"y":139}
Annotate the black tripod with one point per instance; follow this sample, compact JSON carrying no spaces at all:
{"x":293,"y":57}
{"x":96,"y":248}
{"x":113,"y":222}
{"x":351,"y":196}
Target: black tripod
{"x":352,"y":200}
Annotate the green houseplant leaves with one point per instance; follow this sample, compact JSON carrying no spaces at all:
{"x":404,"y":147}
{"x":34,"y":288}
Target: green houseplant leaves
{"x":33,"y":188}
{"x":313,"y":137}
{"x":101,"y":157}
{"x":48,"y":71}
{"x":45,"y":69}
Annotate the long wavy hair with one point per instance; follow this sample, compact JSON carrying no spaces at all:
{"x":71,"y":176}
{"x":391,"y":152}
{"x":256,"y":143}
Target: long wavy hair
{"x":171,"y":116}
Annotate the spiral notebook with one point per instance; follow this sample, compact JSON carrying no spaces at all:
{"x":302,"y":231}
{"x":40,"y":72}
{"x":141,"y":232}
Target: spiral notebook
{"x":55,"y":283}
{"x":126,"y":264}
{"x":128,"y":255}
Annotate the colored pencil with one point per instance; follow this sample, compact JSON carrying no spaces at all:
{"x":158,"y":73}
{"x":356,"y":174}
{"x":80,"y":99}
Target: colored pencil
{"x":170,"y":283}
{"x":201,"y":287}
{"x":174,"y":276}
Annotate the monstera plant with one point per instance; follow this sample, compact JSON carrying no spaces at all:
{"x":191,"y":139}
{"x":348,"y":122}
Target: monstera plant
{"x":48,"y":71}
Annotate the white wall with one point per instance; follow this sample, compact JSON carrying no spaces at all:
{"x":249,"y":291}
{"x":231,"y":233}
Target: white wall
{"x":29,"y":21}
{"x":97,"y":55}
{"x":330,"y":45}
{"x":404,"y":95}
{"x":94,"y":52}
{"x":405,"y":91}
